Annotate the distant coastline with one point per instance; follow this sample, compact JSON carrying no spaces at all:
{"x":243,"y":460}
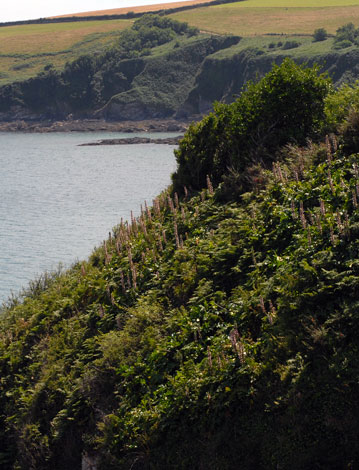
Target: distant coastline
{"x":94,"y":125}
{"x":135,"y":141}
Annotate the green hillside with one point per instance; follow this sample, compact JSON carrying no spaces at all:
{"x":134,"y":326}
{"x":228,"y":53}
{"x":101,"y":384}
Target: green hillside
{"x":146,"y":73}
{"x":258,"y":17}
{"x":162,"y":68}
{"x":27,"y":49}
{"x":219,"y":329}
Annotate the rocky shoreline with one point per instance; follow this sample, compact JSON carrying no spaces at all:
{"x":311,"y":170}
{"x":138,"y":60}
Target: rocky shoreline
{"x":135,"y":140}
{"x":95,"y":125}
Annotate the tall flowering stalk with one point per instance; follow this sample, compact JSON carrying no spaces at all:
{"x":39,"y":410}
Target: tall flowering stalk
{"x":237,"y":344}
{"x":318,"y":222}
{"x":183,"y":214}
{"x":122,"y":280}
{"x":302,"y":215}
{"x":322,"y":207}
{"x":170,"y":204}
{"x":272,"y":313}
{"x":330,"y":180}
{"x":332,"y":238}
{"x":157,"y":207}
{"x":160,"y":245}
{"x":176,"y":234}
{"x":132,"y":268}
{"x":339,"y":223}
{"x":354,"y":198}
{"x":209,"y":185}
{"x":176,"y":201}
{"x":148,"y":212}
{"x":107,"y":255}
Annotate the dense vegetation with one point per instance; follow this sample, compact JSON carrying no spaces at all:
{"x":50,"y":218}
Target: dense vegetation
{"x":346,"y":36}
{"x":287,"y":105}
{"x":217,"y":330}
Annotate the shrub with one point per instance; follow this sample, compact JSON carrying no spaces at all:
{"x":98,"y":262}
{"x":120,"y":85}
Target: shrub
{"x":287,"y":105}
{"x":320,"y":34}
{"x":350,"y":132}
{"x":338,"y":106}
{"x":290,"y":45}
{"x":346,"y":32}
{"x":346,"y":36}
{"x":342,"y":44}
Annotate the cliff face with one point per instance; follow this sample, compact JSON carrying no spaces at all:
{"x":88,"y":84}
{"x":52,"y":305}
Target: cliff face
{"x":221,"y":79}
{"x":147,"y":87}
{"x":181,"y":81}
{"x":161,"y":88}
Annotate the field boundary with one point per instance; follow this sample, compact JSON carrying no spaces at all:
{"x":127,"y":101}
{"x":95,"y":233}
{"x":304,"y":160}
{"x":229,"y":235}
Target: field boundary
{"x":124,"y":16}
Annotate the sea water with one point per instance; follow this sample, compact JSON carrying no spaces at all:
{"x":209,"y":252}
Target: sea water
{"x":58,"y":200}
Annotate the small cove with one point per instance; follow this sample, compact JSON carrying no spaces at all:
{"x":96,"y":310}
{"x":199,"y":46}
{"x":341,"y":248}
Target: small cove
{"x":58,"y":199}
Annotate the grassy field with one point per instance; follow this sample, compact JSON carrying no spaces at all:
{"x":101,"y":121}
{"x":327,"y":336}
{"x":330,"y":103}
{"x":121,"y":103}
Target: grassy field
{"x":274,"y":45}
{"x":251,"y":17}
{"x":26,"y":49}
{"x":140,"y":9}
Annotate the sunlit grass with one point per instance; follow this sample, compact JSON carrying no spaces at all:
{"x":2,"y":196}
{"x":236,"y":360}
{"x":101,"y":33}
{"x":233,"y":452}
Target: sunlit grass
{"x":36,"y":38}
{"x":27,"y":49}
{"x":251,"y":17}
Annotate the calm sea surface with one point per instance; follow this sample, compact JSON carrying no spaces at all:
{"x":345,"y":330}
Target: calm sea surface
{"x":59,"y":200}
